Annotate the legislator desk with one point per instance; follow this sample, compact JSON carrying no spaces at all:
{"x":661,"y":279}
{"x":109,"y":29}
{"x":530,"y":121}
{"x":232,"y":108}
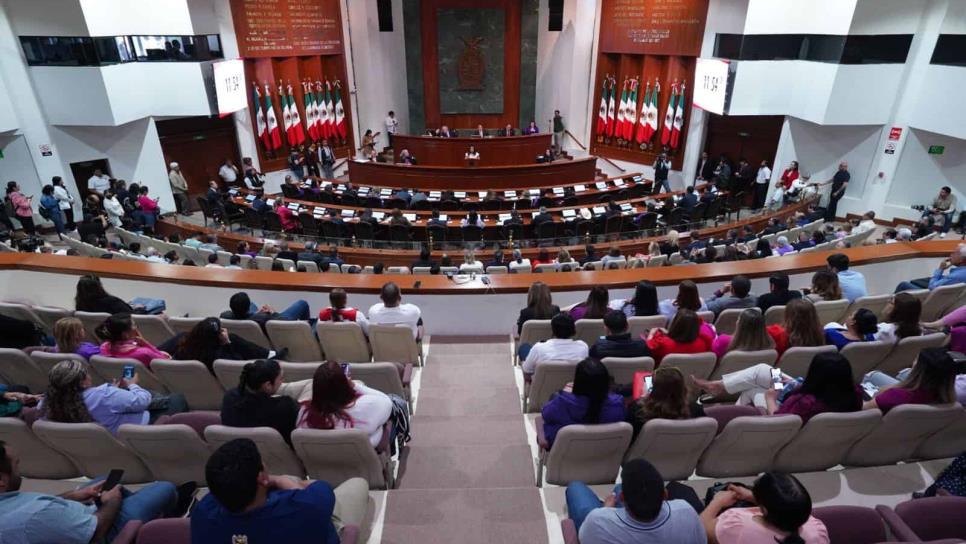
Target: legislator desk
{"x":494,"y":150}
{"x":481,"y":178}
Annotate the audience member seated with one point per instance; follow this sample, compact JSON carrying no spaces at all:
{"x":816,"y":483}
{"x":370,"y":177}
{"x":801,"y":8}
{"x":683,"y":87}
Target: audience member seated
{"x":539,"y":305}
{"x":470,"y":261}
{"x":782,"y":246}
{"x":640,"y":510}
{"x":851,"y":282}
{"x":687,"y":333}
{"x":86,"y":514}
{"x":91,"y":297}
{"x":950,"y":272}
{"x":562,"y":347}
{"x":687,"y":299}
{"x":613,"y":256}
{"x":778,"y":294}
{"x":861,"y":326}
{"x":340,"y":311}
{"x":750,"y":335}
{"x":643,"y":303}
{"x":587,"y":401}
{"x":122,"y":339}
{"x":393,"y":311}
{"x":543,"y":257}
{"x":799,"y":329}
{"x":953,"y":323}
{"x":260,"y":401}
{"x":208,"y":341}
{"x":425,"y":259}
{"x":246,"y":504}
{"x":72,"y":398}
{"x":338,"y":402}
{"x":782,"y":514}
{"x":932,"y":380}
{"x":825,"y":287}
{"x":736,"y":294}
{"x":71,"y":338}
{"x":667,"y":399}
{"x":594,"y":307}
{"x":242,"y":307}
{"x":828,"y":387}
{"x":901,"y":318}
{"x":618,"y":342}
{"x":518,"y":261}
{"x":497,"y":260}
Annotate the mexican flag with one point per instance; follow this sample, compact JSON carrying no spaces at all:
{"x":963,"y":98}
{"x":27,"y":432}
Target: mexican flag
{"x":330,"y":109}
{"x":621,"y":119}
{"x":652,"y":113}
{"x":602,"y":111}
{"x":339,"y":112}
{"x":611,"y":107}
{"x":323,"y":115}
{"x":286,"y":116}
{"x":260,"y":124}
{"x":297,"y":129}
{"x":631,"y":112}
{"x":273,"y":132}
{"x":642,"y":122}
{"x":309,"y":100}
{"x":669,"y":118}
{"x":678,"y":119}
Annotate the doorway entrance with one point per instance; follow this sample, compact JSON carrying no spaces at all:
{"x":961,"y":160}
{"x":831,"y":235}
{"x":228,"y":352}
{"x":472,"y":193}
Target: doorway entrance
{"x":82,"y":171}
{"x":200,"y":146}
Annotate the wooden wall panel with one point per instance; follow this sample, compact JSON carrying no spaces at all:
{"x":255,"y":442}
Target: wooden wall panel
{"x":271,"y":28}
{"x":653,"y":27}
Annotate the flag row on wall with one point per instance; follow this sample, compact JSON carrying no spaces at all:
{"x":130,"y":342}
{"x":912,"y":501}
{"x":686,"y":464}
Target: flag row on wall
{"x":324,"y":114}
{"x":629,"y":121}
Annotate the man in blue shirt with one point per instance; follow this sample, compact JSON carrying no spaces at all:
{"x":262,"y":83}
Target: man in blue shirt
{"x":36,"y":518}
{"x":851,"y":282}
{"x":950,"y":272}
{"x":246,"y":504}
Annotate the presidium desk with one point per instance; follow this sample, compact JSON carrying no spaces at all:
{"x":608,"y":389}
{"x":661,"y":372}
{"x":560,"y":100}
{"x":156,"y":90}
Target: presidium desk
{"x":494,"y":150}
{"x":473,"y":178}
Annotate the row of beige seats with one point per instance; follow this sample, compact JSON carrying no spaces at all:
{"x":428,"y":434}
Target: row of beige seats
{"x":750,"y":445}
{"x":202,"y":390}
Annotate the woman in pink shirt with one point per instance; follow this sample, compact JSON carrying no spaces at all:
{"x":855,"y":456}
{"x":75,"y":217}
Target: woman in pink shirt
{"x":148,"y":205}
{"x":290,"y":223}
{"x":124,"y":341}
{"x":781,"y":512}
{"x":22,"y":207}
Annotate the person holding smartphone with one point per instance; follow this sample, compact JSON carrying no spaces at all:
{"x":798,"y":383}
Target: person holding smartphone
{"x":666,"y":398}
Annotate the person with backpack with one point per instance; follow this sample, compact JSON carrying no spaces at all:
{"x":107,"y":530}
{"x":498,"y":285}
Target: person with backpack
{"x":50,"y":209}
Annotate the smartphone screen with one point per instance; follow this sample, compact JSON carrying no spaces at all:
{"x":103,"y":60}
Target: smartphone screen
{"x":112,"y":480}
{"x":776,"y":378}
{"x":128,"y":372}
{"x":648,"y":384}
{"x":345,"y":369}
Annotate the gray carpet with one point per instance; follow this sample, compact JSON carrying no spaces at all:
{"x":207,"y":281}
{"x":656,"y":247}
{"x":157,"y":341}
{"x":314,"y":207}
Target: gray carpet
{"x":467,"y":475}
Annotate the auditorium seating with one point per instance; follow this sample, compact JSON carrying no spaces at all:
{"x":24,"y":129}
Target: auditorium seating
{"x":930,"y":518}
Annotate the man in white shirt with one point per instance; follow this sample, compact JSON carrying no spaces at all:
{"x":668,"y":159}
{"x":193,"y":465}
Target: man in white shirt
{"x":392,"y":311}
{"x":98,"y":183}
{"x":228,"y":172}
{"x":761,"y":184}
{"x":866,"y":224}
{"x":392,"y":125}
{"x":562,"y":347}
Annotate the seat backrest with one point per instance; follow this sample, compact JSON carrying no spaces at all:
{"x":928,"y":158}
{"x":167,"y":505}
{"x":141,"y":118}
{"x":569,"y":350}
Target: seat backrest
{"x":906,"y":351}
{"x":589,"y":330}
{"x":747,"y":446}
{"x":294,"y":372}
{"x":497,"y":270}
{"x":900,"y":433}
{"x":535,"y":330}
{"x":380,"y":376}
{"x":16,"y":368}
{"x":933,"y":518}
{"x":398,"y":270}
{"x":337,"y":455}
{"x":165,"y":531}
{"x":310,"y":266}
{"x":393,"y":343}
{"x":200,"y":388}
{"x":774,"y":315}
{"x":183,"y":324}
{"x":91,"y":321}
{"x":46,"y":361}
{"x":228,"y":372}
{"x":153,"y":328}
{"x":548,"y":378}
{"x":795,"y":361}
{"x":277,"y":456}
{"x":865,"y":356}
{"x":874,"y":303}
{"x":93,"y":450}
{"x":23,"y":312}
{"x":736,"y":360}
{"x":173,"y":453}
{"x":545,"y":267}
{"x":37,"y":459}
{"x":343,"y":341}
{"x":263,"y":262}
{"x":852,"y":524}
{"x":940,"y":300}
{"x":638,"y":326}
{"x":727,"y":320}
{"x":588,"y":453}
{"x":673,"y":446}
{"x":949,"y":442}
{"x":422,"y":270}
{"x":247,"y":329}
{"x":660,"y":260}
{"x":831,"y":310}
{"x":699,"y":364}
{"x":825,"y":440}
{"x":622,"y":369}
{"x":50,"y":315}
{"x":297,"y":337}
{"x":112,"y":369}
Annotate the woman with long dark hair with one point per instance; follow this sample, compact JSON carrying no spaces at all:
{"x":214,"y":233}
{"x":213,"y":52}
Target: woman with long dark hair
{"x":825,"y":286}
{"x":339,"y":403}
{"x":861,"y":326}
{"x":589,"y":401}
{"x":91,"y":297}
{"x":901,"y":318}
{"x":687,"y":298}
{"x":65,"y":200}
{"x":208,"y":341}
{"x":643,"y":303}
{"x":255,"y":403}
{"x":667,"y":399}
{"x":123,"y":340}
{"x":539,"y":305}
{"x":799,"y":329}
{"x":932,"y":380}
{"x":594,"y":307}
{"x":22,"y":207}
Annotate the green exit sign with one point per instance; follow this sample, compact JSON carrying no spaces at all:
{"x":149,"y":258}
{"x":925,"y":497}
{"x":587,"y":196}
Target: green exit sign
{"x":936,"y":149}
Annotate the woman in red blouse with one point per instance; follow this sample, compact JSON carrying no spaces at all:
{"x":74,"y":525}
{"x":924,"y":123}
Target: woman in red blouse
{"x":290,"y":223}
{"x":800,"y":329}
{"x":790,"y":175}
{"x":687,"y":334}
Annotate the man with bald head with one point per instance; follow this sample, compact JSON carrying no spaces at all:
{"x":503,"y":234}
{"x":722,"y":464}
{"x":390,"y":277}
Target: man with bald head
{"x":840,"y":181}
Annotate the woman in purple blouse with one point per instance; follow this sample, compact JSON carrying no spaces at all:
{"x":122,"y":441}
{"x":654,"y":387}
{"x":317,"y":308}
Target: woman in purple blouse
{"x":70,"y":337}
{"x":588,"y":401}
{"x":931,"y":381}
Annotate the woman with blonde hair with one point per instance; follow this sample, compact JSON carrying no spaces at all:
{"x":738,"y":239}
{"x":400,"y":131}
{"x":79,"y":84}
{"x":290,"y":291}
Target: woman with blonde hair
{"x":470,"y":261}
{"x":750,"y":335}
{"x":539,"y":305}
{"x":667,"y":399}
{"x":800,"y":329}
{"x":825,"y":286}
{"x":70,"y":337}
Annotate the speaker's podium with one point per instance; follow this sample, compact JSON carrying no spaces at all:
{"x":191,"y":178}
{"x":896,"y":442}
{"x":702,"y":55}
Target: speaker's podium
{"x":471,"y":159}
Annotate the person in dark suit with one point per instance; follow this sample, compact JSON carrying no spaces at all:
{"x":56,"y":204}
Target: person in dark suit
{"x":689,"y":200}
{"x":778,"y":294}
{"x":480,"y":132}
{"x":662,"y":167}
{"x":286,"y":253}
{"x":514,"y":219}
{"x":706,"y":167}
{"x":445,"y":132}
{"x":541,"y":217}
{"x":618,"y":342}
{"x":746,"y":175}
{"x":435,"y":221}
{"x":507,"y":131}
{"x":334,"y":218}
{"x":706,"y":196}
{"x":311,"y":253}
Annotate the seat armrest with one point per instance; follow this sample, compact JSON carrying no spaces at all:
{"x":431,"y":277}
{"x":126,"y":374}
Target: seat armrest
{"x":128,"y":533}
{"x":541,"y":436}
{"x":164,"y":419}
{"x":569,"y":530}
{"x":350,"y":534}
{"x":407,"y":375}
{"x":900,"y":531}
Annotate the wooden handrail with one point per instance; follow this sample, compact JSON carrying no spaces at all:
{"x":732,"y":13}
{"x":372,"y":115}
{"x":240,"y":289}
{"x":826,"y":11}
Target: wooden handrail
{"x":339,"y":164}
{"x":612,"y":163}
{"x":574,"y":138}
